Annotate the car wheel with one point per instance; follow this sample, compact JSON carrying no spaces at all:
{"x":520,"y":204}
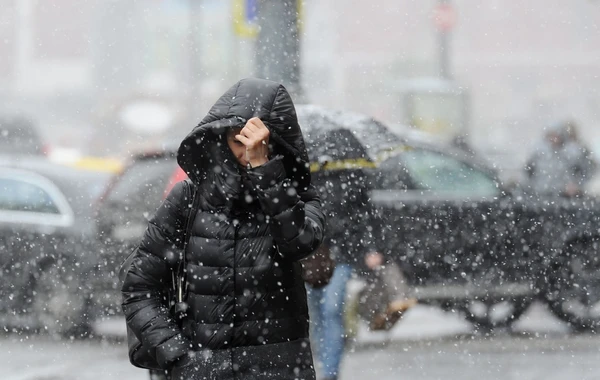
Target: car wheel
{"x":490,"y":314}
{"x":58,"y":306}
{"x":573,"y":292}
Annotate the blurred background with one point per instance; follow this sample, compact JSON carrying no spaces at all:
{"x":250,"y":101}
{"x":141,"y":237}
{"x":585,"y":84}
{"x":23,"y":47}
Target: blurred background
{"x":502,"y":71}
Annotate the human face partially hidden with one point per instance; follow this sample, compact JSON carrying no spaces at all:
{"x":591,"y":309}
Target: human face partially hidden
{"x":237,"y":148}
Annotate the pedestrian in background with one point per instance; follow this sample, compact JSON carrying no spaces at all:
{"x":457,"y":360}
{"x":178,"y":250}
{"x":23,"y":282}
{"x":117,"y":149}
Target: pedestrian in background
{"x":352,"y":237}
{"x":561,"y":165}
{"x":583,"y":164}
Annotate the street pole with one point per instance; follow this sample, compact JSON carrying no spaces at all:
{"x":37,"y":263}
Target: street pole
{"x":278,"y":44}
{"x":444,"y":46}
{"x":194,"y":55}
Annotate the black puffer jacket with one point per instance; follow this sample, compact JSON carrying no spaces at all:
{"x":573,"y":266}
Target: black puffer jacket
{"x":247,"y":316}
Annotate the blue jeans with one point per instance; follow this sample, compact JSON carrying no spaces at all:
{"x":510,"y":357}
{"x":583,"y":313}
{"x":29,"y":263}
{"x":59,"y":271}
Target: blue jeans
{"x":326,"y":308}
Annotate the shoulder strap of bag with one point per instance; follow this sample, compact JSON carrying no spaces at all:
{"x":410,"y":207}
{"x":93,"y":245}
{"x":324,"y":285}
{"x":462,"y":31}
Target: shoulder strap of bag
{"x":180,"y":282}
{"x":126,"y":264}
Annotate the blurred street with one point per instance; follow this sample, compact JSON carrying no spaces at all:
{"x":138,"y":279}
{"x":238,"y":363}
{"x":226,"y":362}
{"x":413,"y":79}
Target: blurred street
{"x":502,"y":358}
{"x":428,"y":344}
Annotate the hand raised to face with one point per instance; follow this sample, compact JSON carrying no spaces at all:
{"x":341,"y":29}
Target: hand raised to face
{"x":255,"y":137}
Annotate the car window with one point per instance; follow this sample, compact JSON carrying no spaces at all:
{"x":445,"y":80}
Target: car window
{"x":142,"y":186}
{"x":441,"y":173}
{"x":17,"y":195}
{"x":390,"y":175}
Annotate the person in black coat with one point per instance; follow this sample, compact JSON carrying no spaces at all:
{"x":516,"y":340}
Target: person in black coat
{"x":258,"y":215}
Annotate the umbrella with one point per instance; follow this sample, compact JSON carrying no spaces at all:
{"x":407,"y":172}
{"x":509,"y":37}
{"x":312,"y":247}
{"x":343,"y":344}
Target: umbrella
{"x":339,"y":139}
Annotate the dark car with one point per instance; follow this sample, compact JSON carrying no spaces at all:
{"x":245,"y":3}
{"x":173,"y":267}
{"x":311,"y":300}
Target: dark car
{"x":19,"y":135}
{"x":463,"y":239}
{"x":461,"y":236}
{"x":122,"y":213}
{"x":47,"y":244}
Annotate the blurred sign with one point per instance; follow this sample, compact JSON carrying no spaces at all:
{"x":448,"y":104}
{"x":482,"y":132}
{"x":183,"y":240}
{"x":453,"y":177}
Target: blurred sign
{"x":444,"y":16}
{"x":435,"y":106}
{"x":245,"y":18}
{"x":440,"y":114}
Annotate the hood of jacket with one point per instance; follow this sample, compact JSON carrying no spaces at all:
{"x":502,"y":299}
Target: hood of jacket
{"x":205,"y":155}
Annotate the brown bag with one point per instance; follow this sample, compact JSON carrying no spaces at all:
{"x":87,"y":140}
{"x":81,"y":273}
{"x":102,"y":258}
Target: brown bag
{"x":317,"y":268}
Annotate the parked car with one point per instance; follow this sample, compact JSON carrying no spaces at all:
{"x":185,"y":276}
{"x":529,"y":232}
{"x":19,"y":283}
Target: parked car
{"x":46,"y":243}
{"x":18,"y":135}
{"x":464,"y":239}
{"x":122,"y":213}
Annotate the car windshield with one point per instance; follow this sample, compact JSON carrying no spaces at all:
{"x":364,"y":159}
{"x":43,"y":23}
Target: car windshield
{"x":433,"y":171}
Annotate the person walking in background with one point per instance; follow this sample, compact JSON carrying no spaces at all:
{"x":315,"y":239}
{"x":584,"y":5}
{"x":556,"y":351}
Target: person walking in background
{"x":562,"y":165}
{"x":583,"y":164}
{"x":352,"y":230}
{"x":258,"y":216}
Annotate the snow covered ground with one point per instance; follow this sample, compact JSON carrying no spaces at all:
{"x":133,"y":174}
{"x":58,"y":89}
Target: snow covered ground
{"x":427,"y":344}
